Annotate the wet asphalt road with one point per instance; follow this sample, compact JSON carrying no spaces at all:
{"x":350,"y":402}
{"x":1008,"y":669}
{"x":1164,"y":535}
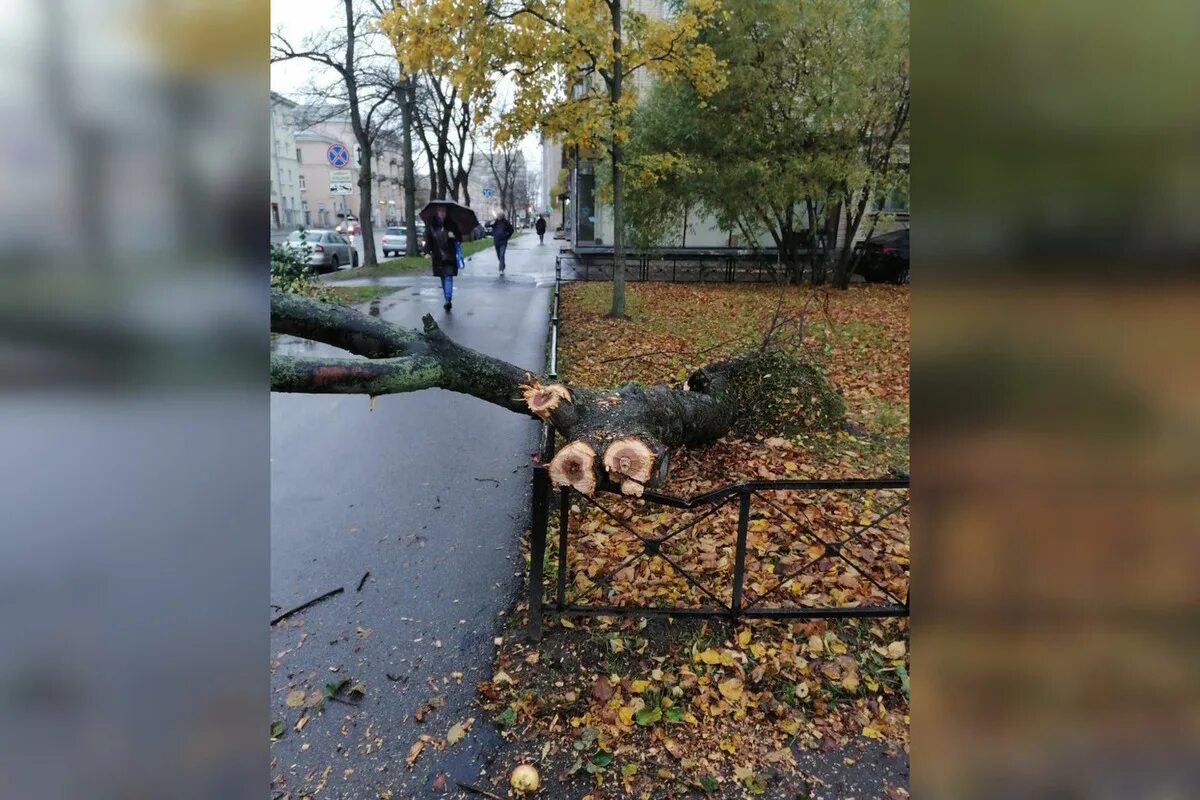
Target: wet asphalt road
{"x":428,"y":492}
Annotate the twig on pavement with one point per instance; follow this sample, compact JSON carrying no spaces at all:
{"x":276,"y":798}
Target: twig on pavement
{"x":303,"y":606}
{"x":466,"y":787}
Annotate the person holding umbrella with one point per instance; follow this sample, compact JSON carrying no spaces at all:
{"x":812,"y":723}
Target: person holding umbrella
{"x":540,"y":227}
{"x":445,"y":222}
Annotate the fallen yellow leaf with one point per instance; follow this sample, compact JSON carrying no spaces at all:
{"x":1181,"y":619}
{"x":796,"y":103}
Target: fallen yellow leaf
{"x":458,"y":731}
{"x":731,"y":689}
{"x":414,"y":752}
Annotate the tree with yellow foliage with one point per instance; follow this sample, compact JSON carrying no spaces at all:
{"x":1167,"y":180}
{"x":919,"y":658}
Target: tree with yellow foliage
{"x":569,"y":60}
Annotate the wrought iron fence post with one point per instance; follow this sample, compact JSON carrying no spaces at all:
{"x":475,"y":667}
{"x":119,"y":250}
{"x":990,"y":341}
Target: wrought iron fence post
{"x":537,"y":533}
{"x":739,"y":558}
{"x":564,"y":510}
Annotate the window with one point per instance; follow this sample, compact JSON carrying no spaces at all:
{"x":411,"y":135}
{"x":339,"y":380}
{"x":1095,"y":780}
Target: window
{"x":303,"y":184}
{"x":299,"y":158}
{"x":895,"y":202}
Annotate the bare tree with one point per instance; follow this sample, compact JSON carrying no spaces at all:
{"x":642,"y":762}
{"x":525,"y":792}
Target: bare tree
{"x":364,"y":85}
{"x":506,"y":164}
{"x":444,"y":124}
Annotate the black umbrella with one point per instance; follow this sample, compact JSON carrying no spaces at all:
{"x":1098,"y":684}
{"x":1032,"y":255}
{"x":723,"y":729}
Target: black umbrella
{"x":460,"y":215}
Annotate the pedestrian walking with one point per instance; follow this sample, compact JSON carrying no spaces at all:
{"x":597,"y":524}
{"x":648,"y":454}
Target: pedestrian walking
{"x":502,"y":231}
{"x":540,"y":227}
{"x":442,"y":239}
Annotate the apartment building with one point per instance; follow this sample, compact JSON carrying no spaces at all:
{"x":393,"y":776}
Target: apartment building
{"x":286,"y":209}
{"x":320,"y":207}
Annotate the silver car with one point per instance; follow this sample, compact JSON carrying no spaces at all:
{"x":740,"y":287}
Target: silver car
{"x":330,"y":250}
{"x":395,"y":240}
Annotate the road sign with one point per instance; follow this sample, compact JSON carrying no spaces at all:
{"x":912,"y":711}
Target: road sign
{"x":487,"y":191}
{"x":340,"y":182}
{"x":338,"y":155}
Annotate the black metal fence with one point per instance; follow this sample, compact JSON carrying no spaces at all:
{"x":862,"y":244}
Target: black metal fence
{"x":687,"y":264}
{"x":802,"y":552}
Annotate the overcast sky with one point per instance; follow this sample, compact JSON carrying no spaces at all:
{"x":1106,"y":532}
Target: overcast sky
{"x":296,"y":19}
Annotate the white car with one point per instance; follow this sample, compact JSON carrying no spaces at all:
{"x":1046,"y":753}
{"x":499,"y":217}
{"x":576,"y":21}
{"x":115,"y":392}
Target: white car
{"x":395,"y":240}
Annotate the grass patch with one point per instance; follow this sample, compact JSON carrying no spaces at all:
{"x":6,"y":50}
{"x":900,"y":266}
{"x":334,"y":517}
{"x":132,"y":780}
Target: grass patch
{"x":888,"y":416}
{"x":361,"y":294}
{"x":405,"y":265}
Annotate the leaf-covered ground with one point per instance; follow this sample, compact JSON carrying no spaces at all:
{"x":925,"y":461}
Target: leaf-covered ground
{"x":625,"y":707}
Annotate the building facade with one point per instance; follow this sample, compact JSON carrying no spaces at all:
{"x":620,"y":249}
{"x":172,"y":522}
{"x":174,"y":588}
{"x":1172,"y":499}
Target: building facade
{"x":320,"y":207}
{"x":286,"y":209}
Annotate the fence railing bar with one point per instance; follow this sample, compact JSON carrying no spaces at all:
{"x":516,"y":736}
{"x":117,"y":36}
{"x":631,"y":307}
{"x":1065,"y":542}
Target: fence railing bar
{"x":849,"y":484}
{"x":646,"y":611}
{"x":805,"y":612}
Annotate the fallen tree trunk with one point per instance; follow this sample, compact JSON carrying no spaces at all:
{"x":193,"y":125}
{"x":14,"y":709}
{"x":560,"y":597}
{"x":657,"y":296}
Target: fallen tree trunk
{"x":622,"y":436}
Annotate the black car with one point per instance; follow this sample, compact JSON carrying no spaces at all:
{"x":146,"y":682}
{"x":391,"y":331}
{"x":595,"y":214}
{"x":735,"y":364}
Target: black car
{"x":884,"y":258}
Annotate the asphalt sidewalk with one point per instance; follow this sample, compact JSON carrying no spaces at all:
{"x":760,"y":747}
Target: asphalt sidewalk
{"x":428,"y":493}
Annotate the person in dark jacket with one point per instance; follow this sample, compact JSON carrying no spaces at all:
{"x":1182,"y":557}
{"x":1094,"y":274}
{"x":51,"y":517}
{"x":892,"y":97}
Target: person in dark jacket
{"x":441,"y":236}
{"x":502,"y":231}
{"x":540,"y":227}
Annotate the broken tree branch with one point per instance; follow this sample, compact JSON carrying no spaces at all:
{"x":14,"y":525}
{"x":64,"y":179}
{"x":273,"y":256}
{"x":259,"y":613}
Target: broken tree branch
{"x":618,"y":437}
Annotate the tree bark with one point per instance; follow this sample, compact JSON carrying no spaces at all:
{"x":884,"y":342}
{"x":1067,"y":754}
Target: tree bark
{"x":618,"y":295}
{"x":618,"y":438}
{"x":365,"y":145}
{"x":407,"y":100}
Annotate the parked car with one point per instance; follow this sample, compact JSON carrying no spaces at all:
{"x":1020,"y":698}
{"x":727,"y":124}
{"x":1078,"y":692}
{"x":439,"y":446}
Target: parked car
{"x":395,"y":240}
{"x":351,"y":226}
{"x":884,"y":258}
{"x":330,"y":250}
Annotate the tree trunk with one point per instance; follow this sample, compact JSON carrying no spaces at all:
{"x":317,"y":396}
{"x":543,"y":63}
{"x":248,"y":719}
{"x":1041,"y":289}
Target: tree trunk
{"x":407,"y":99}
{"x":854,"y":216}
{"x":365,"y":179}
{"x":364,"y":145}
{"x":618,"y":294}
{"x":616,"y":438}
